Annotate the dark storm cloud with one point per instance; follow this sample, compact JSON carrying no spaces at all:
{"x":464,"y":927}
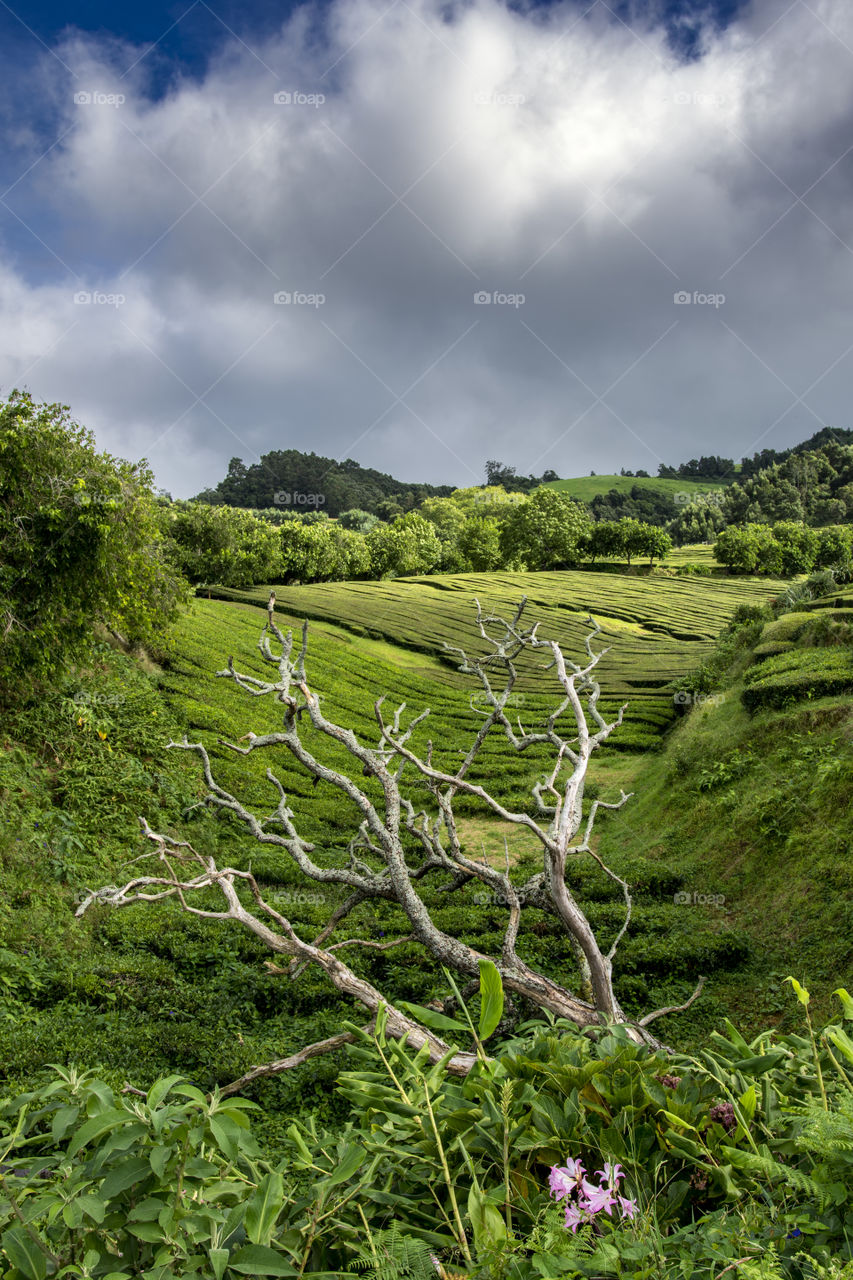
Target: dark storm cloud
{"x":575,"y":171}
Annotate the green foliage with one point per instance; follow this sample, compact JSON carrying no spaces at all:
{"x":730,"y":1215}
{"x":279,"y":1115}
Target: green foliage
{"x":546,"y":531}
{"x":123,"y":1186}
{"x":81,"y":544}
{"x":410,"y":545}
{"x":323,"y":552}
{"x":285,"y":476}
{"x":222,"y":544}
{"x":802,"y":673}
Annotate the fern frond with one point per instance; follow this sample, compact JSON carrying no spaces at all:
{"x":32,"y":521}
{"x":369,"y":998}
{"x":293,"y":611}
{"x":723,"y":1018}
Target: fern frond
{"x":395,"y":1256}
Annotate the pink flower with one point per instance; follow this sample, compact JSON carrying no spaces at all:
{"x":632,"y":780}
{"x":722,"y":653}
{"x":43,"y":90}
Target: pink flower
{"x":628,"y":1207}
{"x":564,"y":1180}
{"x":575,"y":1217}
{"x":611,"y":1173}
{"x":598,"y":1198}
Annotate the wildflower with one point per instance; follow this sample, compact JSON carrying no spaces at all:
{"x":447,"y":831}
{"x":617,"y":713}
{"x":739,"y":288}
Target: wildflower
{"x":575,"y":1217}
{"x":611,"y":1173}
{"x":628,"y":1207}
{"x":724,"y":1114}
{"x":598,"y":1199}
{"x":583,"y":1198}
{"x":564,"y":1180}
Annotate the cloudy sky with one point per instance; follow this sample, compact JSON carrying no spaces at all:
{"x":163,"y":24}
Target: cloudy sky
{"x":423,"y":233}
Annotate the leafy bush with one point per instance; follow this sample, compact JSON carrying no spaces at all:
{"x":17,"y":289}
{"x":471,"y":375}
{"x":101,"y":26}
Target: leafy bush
{"x":81,"y":544}
{"x":803,"y":673}
{"x":769,"y":648}
{"x":787,"y":627}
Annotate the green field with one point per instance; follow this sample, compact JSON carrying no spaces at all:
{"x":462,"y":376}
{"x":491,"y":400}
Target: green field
{"x":148,"y":991}
{"x":588,"y":487}
{"x":658,"y":628}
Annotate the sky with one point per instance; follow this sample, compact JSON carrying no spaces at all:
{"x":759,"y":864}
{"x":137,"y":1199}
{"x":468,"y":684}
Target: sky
{"x":426,"y":233}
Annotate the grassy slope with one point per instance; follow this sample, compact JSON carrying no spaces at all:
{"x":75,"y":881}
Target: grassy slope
{"x":658,"y":627}
{"x":756,"y":809}
{"x":146,"y":991}
{"x":588,"y":487}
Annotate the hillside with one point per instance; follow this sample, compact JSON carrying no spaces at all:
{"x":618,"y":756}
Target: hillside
{"x":148,"y":991}
{"x":586,"y":488}
{"x":293,"y":480}
{"x":750,"y":802}
{"x":658,"y":628}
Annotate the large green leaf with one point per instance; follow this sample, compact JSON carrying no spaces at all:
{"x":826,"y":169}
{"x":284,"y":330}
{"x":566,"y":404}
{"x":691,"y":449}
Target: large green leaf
{"x":351,"y":1161}
{"x":491,"y":999}
{"x":256,"y":1260}
{"x":488,"y":1226}
{"x":846,"y":1002}
{"x":160,"y":1088}
{"x":431,"y":1017}
{"x":98,"y":1126}
{"x":24,"y":1253}
{"x":126,"y":1175}
{"x":263,"y":1208}
{"x":219,"y":1261}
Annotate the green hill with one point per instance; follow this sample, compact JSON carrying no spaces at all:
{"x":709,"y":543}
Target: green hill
{"x":586,"y":488}
{"x":657,"y":627}
{"x":147,"y":991}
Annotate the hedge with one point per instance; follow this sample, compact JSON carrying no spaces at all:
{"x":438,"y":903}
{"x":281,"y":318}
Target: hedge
{"x":803,"y":673}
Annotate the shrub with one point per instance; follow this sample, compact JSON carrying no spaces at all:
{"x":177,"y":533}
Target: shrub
{"x":786,"y":627}
{"x":803,"y":673}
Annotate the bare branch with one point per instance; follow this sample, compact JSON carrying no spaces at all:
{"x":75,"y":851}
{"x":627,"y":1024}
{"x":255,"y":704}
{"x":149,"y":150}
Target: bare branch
{"x":673,"y":1008}
{"x":294,"y":1060}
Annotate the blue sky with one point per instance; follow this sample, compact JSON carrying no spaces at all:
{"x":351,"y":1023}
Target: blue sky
{"x":421,"y":233}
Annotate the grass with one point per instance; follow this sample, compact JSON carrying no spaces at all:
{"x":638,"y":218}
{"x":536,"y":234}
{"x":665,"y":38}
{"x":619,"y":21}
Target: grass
{"x":658,"y":627}
{"x":588,"y":487}
{"x":147,"y":991}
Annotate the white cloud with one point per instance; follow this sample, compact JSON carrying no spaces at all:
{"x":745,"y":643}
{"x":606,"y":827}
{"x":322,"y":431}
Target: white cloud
{"x":564,"y":158}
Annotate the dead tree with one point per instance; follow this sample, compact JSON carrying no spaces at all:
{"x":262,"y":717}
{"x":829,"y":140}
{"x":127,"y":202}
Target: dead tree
{"x":398,"y":842}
